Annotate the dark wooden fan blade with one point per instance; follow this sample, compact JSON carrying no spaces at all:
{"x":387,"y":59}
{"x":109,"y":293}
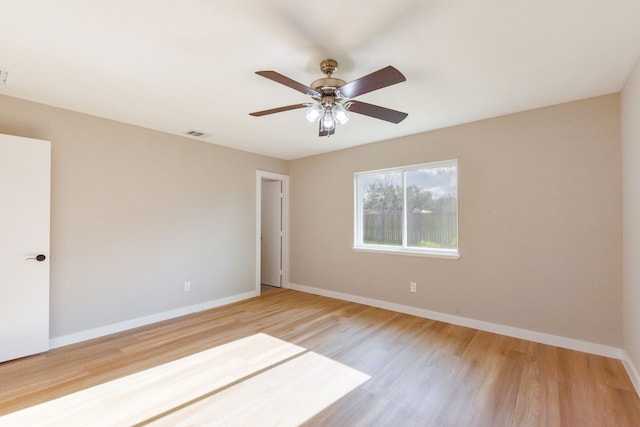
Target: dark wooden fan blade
{"x":377,"y":80}
{"x":377,"y":112}
{"x":284,"y":80}
{"x":324,"y":132}
{"x":277,"y":110}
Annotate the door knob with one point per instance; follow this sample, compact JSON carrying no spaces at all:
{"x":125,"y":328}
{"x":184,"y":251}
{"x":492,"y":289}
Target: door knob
{"x":39,"y":257}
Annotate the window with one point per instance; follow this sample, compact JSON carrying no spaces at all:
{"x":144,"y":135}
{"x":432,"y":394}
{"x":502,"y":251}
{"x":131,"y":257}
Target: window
{"x":411,"y":210}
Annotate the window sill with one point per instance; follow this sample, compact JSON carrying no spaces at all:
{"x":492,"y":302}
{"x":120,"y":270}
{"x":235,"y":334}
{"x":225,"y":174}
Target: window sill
{"x":442,"y":253}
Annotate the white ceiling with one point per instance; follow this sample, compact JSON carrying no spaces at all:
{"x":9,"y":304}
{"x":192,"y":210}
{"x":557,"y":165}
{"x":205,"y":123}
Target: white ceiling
{"x":180,"y":65}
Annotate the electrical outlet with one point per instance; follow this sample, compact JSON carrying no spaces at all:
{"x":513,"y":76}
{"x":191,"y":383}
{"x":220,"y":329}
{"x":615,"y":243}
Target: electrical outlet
{"x":413,"y":286}
{"x":187,"y":286}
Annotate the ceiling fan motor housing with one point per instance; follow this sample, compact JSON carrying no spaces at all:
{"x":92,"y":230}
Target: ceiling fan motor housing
{"x":327,"y":82}
{"x":328,"y":85}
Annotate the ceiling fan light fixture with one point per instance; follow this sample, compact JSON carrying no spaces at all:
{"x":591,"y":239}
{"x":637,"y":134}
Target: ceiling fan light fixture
{"x":328,"y":122}
{"x":340,"y":113}
{"x":314,"y":113}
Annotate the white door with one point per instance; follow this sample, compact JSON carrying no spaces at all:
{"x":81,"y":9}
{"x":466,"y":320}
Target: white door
{"x":271,"y":226}
{"x":25,"y":174}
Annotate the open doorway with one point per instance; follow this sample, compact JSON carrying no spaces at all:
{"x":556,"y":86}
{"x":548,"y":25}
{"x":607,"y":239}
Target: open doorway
{"x":271,"y":231}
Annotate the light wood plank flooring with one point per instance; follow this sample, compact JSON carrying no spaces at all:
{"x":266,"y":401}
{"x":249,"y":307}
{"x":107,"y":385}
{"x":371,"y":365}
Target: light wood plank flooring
{"x":416,"y":371}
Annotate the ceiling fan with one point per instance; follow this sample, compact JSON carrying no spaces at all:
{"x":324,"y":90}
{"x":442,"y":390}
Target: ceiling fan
{"x":333,"y":98}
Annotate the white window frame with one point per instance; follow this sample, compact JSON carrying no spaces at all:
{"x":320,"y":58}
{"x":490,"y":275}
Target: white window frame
{"x":358,"y":244}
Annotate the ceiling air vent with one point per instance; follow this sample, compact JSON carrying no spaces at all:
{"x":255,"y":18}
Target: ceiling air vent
{"x":196,"y":133}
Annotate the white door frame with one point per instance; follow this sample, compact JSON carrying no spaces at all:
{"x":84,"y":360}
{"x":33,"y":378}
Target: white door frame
{"x":284,"y":179}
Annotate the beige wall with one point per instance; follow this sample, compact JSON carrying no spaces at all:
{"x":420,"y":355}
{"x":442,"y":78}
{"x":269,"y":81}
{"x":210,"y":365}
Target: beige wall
{"x":540,"y":222}
{"x":136,"y":213}
{"x":631,"y":214}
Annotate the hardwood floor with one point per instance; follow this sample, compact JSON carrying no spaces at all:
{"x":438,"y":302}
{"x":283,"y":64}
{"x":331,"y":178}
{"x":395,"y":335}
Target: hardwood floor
{"x":393,"y":369}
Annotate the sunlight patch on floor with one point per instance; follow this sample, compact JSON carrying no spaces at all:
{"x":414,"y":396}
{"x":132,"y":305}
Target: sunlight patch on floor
{"x":258,"y":380}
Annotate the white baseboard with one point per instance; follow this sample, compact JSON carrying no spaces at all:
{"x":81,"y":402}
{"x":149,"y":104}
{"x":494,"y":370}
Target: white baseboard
{"x":632,"y":371}
{"x":555,"y":340}
{"x":146,"y":320}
